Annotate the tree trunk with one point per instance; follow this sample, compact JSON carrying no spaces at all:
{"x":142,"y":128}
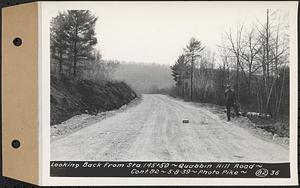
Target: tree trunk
{"x":267,"y":79}
{"x":74,"y":65}
{"x":280,"y":96}
{"x":75,"y":52}
{"x":60,"y":63}
{"x":237,"y":77}
{"x":192,"y":72}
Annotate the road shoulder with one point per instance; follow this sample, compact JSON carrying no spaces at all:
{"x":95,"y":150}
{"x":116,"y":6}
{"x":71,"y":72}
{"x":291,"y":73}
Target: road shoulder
{"x":79,"y":122}
{"x":243,"y":122}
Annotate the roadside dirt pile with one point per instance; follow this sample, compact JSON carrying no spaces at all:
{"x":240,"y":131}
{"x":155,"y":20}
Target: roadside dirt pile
{"x":70,"y":98}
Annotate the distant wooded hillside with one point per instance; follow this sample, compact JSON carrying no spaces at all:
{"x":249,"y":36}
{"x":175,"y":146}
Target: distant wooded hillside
{"x":145,"y":78}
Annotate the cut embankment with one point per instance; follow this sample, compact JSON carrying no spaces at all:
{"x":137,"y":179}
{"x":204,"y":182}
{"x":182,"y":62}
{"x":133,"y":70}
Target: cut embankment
{"x":70,"y":98}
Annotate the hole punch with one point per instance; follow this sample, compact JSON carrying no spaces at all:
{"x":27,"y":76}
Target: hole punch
{"x":15,"y":144}
{"x":17,"y":41}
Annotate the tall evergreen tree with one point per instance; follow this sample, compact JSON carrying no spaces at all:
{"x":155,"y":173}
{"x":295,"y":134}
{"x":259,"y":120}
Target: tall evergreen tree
{"x":180,"y":71}
{"x":73,"y":38}
{"x":81,"y":34}
{"x":58,"y":38}
{"x":192,"y":51}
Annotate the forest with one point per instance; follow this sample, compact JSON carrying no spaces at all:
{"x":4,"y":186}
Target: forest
{"x":253,"y":60}
{"x":144,"y":77}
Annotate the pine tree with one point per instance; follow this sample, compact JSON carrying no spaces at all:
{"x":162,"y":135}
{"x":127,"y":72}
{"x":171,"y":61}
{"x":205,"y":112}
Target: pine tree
{"x":192,"y":51}
{"x":81,"y":34}
{"x":180,"y":71}
{"x":73,"y":38}
{"x":58,"y":39}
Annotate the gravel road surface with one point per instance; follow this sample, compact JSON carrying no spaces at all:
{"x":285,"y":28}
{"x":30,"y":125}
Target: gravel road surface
{"x":153,"y":131}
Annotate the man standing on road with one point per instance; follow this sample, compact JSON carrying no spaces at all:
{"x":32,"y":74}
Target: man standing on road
{"x":230,"y":101}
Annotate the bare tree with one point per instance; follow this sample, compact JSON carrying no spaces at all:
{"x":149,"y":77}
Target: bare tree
{"x":235,"y":47}
{"x":250,"y":51}
{"x":273,"y":55}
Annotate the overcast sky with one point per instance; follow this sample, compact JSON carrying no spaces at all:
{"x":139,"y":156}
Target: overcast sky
{"x":158,"y":31}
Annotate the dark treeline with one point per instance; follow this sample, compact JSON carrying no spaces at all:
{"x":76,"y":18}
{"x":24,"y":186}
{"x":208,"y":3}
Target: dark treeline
{"x":254,"y":61}
{"x":73,"y":53}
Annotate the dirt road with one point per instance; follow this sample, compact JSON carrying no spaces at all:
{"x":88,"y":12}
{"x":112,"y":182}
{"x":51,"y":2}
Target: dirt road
{"x":153,"y":131}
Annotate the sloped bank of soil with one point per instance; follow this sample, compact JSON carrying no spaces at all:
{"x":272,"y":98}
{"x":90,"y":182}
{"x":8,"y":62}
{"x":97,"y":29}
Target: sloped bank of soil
{"x":70,"y":98}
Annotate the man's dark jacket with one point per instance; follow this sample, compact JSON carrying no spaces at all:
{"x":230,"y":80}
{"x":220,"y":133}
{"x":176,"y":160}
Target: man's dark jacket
{"x":230,"y":97}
